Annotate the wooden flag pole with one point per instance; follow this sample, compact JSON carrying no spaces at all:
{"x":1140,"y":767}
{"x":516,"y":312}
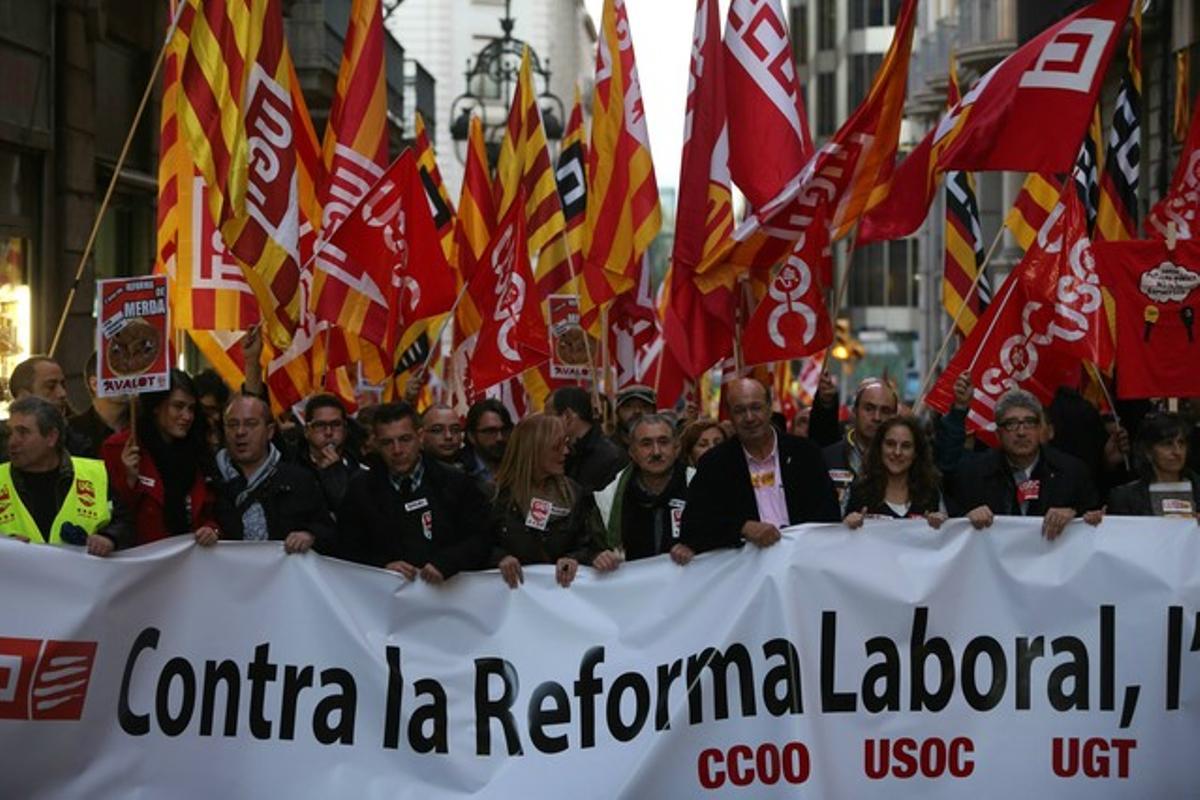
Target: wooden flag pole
{"x":739,"y":323}
{"x":112,"y":181}
{"x":949,"y":335}
{"x":840,"y":295}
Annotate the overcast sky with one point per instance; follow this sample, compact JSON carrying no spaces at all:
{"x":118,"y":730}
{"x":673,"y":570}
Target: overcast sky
{"x":662,"y":42}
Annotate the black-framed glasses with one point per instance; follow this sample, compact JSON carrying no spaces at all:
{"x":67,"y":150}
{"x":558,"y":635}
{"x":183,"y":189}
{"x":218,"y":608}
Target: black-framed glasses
{"x":1011,"y":425}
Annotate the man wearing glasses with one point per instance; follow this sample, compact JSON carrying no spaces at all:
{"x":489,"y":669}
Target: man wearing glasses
{"x":260,"y":497}
{"x":325,"y":453}
{"x":48,"y":496}
{"x":488,"y":428}
{"x":1024,"y":477}
{"x":748,"y":488}
{"x":442,"y":435}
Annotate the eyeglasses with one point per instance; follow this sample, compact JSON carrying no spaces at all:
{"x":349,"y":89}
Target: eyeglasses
{"x":1011,"y":425}
{"x":327,"y":425}
{"x":490,"y":431}
{"x":439,"y":430}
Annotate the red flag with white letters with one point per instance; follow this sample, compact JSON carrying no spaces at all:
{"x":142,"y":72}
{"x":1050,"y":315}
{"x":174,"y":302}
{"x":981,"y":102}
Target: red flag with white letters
{"x":1053,"y":80}
{"x":767,"y":128}
{"x":389,"y":269}
{"x":1181,"y":204}
{"x":1061,"y":273}
{"x":513,"y":336}
{"x":791,"y":320}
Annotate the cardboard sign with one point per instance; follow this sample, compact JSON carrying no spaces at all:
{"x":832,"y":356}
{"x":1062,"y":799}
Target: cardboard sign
{"x":569,"y":345}
{"x":132,"y":336}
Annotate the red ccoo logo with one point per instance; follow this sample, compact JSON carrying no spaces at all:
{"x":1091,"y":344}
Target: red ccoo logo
{"x":44,"y":679}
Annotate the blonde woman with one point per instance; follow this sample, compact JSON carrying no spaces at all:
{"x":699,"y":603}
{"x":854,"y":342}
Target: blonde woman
{"x":541,"y":516}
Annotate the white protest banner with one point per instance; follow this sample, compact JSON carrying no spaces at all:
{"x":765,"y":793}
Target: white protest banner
{"x":895,"y":662}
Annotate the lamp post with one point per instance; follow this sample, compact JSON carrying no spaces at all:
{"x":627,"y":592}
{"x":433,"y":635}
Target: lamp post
{"x":491,"y":80}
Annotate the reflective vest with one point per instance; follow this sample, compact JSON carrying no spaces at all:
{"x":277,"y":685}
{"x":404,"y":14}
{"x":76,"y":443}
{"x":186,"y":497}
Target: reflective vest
{"x":86,"y":504}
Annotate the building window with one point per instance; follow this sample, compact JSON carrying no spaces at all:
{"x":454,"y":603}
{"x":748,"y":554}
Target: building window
{"x":826,"y":24}
{"x":872,"y":13}
{"x":883,"y":274}
{"x":799,"y":25}
{"x":863,"y":67}
{"x":826,"y":104}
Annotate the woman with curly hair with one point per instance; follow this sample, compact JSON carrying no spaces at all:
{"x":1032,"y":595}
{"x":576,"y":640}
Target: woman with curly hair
{"x":899,"y":480}
{"x":540,"y":516}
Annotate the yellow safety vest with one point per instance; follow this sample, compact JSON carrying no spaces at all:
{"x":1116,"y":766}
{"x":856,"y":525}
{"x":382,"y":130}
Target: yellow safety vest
{"x":86,"y":504}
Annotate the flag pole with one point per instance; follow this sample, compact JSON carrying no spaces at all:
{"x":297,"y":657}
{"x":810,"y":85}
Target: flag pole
{"x":738,"y":324}
{"x":420,"y":374}
{"x":949,"y":335}
{"x":112,"y":181}
{"x":840,"y":295}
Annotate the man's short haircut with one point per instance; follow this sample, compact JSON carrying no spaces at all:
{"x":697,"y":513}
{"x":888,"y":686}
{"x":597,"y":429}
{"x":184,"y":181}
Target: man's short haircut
{"x":575,"y":399}
{"x":424,"y":415}
{"x":25,"y":373}
{"x":323,"y":400}
{"x":93,"y":364}
{"x":652,"y":419}
{"x":45,"y":413}
{"x":266,"y":407}
{"x":870,"y":383}
{"x":477,"y":410}
{"x":209,"y":383}
{"x":399,"y":411}
{"x":1018,"y":398}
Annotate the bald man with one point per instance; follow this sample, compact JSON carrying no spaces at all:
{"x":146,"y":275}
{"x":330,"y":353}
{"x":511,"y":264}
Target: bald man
{"x":749,"y":488}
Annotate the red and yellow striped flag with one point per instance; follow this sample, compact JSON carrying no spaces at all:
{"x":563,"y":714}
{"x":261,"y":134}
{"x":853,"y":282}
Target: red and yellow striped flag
{"x":435,"y":188}
{"x":1117,"y":212}
{"x":623,"y":214}
{"x":1033,"y":205}
{"x":236,"y":99}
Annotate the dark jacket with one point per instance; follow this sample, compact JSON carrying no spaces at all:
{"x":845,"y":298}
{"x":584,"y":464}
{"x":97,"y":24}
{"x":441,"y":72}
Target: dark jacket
{"x":89,"y":431}
{"x":857,"y":501}
{"x":291,"y":501}
{"x":146,"y":500}
{"x":986,"y":480}
{"x":594,"y":460}
{"x":334,"y":480}
{"x":721,"y":498}
{"x":1133,"y":499}
{"x":578,"y":535}
{"x":824,"y":427}
{"x":376,"y":528}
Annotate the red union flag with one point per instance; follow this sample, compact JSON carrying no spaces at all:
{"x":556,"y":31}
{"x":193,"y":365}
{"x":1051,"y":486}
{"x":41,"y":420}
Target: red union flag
{"x":1061,"y":274}
{"x":1012,"y":346}
{"x":44,"y":679}
{"x":386,"y":266}
{"x":1181,"y":204}
{"x":513,"y":335}
{"x":1156,"y":295}
{"x":1052,"y":80}
{"x":765,"y":109}
{"x":791,"y":321}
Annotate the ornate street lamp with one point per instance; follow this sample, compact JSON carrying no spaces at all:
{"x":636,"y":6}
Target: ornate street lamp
{"x":491,"y":80}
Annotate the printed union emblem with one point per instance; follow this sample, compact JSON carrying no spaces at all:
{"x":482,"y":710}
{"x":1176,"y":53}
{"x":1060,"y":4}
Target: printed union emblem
{"x":44,"y":679}
{"x":86,"y":492}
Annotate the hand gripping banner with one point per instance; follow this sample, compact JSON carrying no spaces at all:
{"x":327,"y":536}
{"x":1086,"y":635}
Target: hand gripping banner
{"x":893,"y":662}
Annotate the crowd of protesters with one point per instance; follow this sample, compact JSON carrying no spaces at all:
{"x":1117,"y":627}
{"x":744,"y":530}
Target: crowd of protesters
{"x":429,"y":495}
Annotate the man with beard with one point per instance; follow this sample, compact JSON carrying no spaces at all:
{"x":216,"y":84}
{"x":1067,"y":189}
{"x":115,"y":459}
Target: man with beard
{"x":488,"y":428}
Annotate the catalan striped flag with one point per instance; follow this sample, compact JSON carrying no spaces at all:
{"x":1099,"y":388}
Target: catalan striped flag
{"x":1034,"y":202}
{"x":236,"y":95}
{"x":623,"y":213}
{"x":524,"y":166}
{"x":964,"y":254}
{"x":431,"y":178}
{"x":571,"y":176}
{"x":1117,"y":215}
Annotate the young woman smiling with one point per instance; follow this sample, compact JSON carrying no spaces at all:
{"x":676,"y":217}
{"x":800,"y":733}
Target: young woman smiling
{"x":899,"y":480}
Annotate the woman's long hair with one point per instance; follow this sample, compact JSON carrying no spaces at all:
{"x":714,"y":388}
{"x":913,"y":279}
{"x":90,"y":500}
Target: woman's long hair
{"x":147,"y":423}
{"x":923,"y":477}
{"x":1157,"y":429}
{"x":518,"y":469}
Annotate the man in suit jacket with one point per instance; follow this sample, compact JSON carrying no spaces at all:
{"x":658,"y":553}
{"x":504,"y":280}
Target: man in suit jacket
{"x":749,"y":487}
{"x":1023,"y":477}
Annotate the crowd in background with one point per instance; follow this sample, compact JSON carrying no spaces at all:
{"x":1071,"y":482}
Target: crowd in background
{"x":432,"y":494}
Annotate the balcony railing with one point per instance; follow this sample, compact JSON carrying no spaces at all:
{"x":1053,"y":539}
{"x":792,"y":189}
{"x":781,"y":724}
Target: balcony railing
{"x":984,"y":25}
